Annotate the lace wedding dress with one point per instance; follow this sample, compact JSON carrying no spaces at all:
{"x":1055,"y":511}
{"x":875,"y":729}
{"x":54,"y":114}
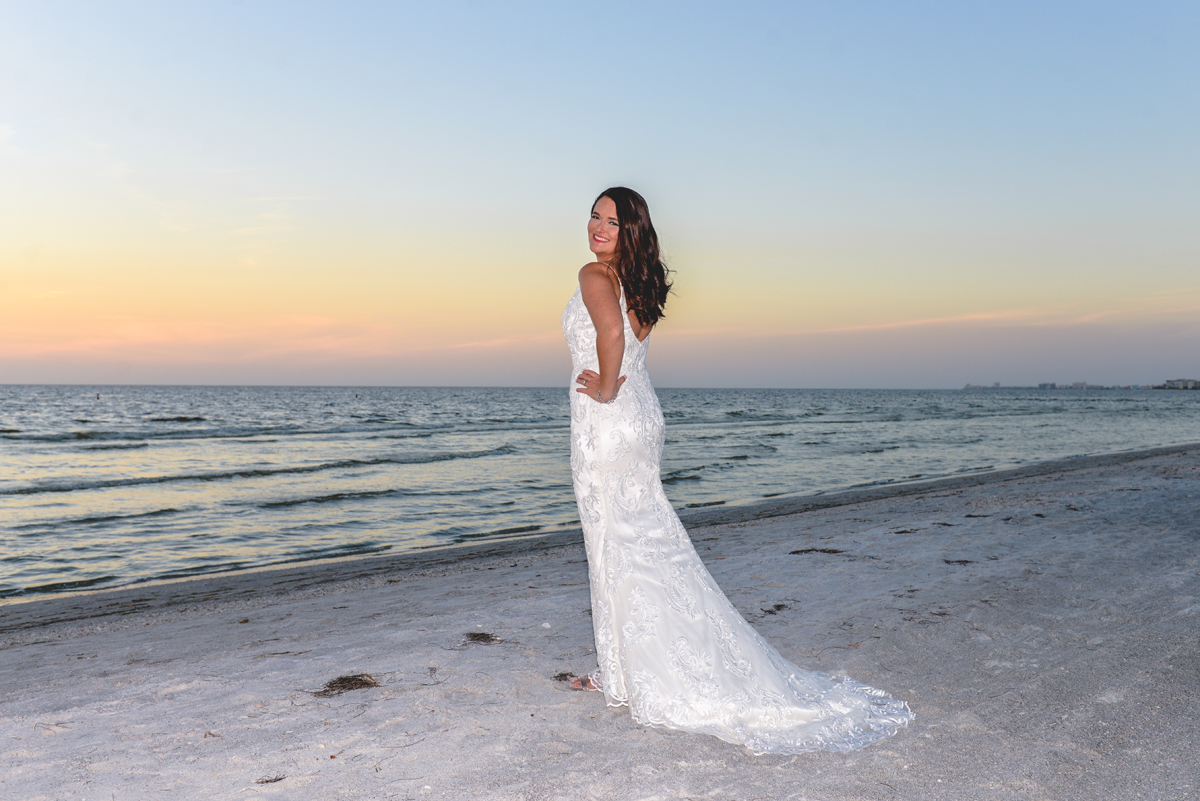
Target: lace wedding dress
{"x":669,"y":643}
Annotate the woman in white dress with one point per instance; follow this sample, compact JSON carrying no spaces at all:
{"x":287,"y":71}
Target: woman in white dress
{"x":669,"y":643}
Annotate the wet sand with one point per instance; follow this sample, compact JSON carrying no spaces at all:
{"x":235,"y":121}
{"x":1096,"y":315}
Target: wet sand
{"x":1043,"y":623}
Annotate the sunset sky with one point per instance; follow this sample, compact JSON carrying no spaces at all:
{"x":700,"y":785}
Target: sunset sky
{"x":852,"y":194}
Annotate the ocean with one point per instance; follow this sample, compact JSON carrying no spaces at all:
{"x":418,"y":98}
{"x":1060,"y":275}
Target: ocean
{"x":106,"y":486}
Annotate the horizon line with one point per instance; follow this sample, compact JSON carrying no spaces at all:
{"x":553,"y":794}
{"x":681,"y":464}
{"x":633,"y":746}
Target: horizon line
{"x":967,"y":386}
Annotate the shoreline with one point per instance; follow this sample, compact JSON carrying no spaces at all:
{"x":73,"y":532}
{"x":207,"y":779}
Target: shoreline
{"x":263,"y":583}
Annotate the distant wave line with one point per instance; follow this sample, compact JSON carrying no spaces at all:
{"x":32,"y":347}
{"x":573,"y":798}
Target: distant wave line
{"x":337,"y":496}
{"x":93,"y":520}
{"x":412,"y":431}
{"x":229,"y":433}
{"x":261,"y":472}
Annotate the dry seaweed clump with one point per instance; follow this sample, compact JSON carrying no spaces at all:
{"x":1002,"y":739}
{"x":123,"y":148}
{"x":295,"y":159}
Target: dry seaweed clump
{"x":344,"y":684}
{"x":269,"y":779}
{"x":483,"y":637}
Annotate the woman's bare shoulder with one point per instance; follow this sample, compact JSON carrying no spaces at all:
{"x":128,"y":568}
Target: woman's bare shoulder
{"x":600,"y":288}
{"x":595,"y":269}
{"x":596,"y":274}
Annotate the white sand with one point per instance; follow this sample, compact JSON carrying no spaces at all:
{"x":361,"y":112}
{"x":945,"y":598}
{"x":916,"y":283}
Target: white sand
{"x":1043,"y":625}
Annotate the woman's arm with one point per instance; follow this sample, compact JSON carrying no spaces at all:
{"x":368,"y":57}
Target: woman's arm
{"x":601,"y":295}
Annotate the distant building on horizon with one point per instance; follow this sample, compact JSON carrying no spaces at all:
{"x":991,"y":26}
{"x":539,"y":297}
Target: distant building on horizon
{"x":1178,"y":383}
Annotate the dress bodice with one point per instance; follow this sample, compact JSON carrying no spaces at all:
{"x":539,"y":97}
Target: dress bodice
{"x":580,"y":332}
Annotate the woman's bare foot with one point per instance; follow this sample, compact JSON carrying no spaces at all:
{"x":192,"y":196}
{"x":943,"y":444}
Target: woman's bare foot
{"x":585,"y":683}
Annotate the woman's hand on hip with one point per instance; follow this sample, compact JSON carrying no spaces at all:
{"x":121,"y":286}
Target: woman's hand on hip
{"x":591,"y":386}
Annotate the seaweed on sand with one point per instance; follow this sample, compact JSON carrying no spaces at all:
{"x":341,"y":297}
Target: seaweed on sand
{"x":344,"y":684}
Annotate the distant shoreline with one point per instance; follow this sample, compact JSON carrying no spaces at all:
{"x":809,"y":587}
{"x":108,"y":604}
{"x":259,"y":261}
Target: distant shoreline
{"x":1188,"y":385}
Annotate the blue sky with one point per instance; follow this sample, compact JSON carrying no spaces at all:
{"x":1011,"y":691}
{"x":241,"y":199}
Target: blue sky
{"x":869,"y":194}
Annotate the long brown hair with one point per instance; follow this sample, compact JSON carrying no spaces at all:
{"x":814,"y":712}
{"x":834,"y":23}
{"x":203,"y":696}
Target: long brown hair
{"x":639,"y":265}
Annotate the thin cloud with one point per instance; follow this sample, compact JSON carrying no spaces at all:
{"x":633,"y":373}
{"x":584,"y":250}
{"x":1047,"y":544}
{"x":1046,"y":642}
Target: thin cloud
{"x":1144,"y":310}
{"x":989,"y":317}
{"x":495,"y":343}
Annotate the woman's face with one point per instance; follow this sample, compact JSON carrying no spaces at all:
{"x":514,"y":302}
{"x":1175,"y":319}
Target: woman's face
{"x":603,"y":229}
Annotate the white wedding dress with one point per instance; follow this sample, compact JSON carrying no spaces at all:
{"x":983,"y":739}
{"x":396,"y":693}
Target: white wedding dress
{"x":669,"y":643}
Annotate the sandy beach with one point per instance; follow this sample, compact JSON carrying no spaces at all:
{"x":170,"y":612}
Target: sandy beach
{"x":1043,"y":623}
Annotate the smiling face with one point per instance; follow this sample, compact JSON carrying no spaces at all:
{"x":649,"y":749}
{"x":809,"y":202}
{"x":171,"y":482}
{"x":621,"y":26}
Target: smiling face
{"x":603,"y":230}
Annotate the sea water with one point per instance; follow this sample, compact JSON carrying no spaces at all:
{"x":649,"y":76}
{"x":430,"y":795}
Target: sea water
{"x":110,"y":485}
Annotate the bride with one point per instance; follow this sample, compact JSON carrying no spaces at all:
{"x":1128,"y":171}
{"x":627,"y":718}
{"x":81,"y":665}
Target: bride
{"x":669,"y":643}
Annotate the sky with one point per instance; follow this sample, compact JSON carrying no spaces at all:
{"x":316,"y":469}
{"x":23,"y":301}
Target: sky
{"x":868,"y":194}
